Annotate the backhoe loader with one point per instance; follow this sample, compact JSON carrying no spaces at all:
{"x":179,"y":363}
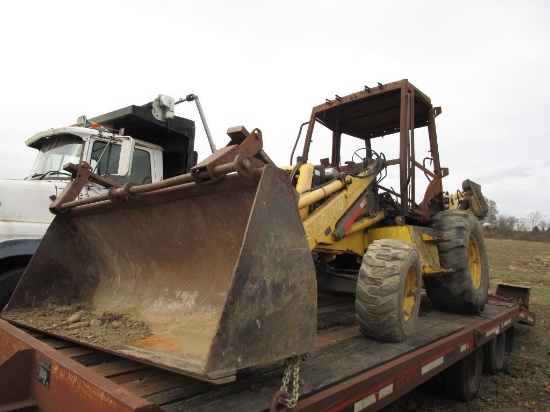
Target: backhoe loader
{"x":224,"y":266}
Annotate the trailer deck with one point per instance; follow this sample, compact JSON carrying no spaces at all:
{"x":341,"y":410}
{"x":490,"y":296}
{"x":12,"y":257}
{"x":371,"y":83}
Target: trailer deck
{"x":344,"y":372}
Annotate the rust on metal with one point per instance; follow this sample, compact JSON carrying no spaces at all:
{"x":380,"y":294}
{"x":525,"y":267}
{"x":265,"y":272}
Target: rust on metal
{"x":203,"y":266}
{"x":239,"y":146}
{"x":378,"y":387}
{"x":48,"y":380}
{"x":396,"y":108}
{"x":81,"y":174}
{"x":475,"y":199}
{"x":276,"y":398}
{"x":519,"y":294}
{"x":246,"y":159}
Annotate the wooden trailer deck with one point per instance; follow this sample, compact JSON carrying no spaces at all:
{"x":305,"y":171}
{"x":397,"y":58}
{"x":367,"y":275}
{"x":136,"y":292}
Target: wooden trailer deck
{"x":344,"y":372}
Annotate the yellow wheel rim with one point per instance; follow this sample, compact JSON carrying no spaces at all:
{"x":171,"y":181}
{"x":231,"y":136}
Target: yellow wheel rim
{"x":409,"y":295}
{"x":474,"y":259}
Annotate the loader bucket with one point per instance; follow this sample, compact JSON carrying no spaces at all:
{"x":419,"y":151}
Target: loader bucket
{"x":201,"y":279}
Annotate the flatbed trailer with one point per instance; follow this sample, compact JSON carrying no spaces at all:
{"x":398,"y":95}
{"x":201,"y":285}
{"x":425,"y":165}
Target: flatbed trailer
{"x":346,"y":372}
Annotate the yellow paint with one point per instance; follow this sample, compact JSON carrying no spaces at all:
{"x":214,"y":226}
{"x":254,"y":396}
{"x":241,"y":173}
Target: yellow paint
{"x":474,"y":258}
{"x":401,"y":232}
{"x":315,"y":195}
{"x":409,"y":293}
{"x":365,"y":222}
{"x":451,"y":200}
{"x":338,"y":198}
{"x":320,"y":225}
{"x":354,"y":243}
{"x":305,"y":178}
{"x":429,"y":257}
{"x":322,"y":222}
{"x":430,"y":239}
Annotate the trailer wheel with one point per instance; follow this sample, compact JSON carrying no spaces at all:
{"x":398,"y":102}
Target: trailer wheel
{"x":461,"y":380}
{"x":493,"y":354}
{"x":509,"y":340}
{"x":8,"y":282}
{"x":465,"y":289}
{"x":388,"y":290}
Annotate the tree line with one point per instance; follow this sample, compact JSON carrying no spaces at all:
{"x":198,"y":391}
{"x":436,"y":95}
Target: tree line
{"x":532,"y":227}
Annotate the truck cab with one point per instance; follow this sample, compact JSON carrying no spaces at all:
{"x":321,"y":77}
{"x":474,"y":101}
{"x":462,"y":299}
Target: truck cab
{"x":127,"y":145}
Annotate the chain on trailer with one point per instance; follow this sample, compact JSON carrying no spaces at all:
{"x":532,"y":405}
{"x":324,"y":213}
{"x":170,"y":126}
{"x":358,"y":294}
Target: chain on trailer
{"x":291,"y":376}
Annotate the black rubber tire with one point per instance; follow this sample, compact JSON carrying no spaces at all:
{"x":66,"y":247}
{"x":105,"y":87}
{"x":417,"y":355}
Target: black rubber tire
{"x":384,"y":311}
{"x":493,"y":354}
{"x":434,"y":385}
{"x":509,"y":340}
{"x":464,"y":290}
{"x":461,"y":380}
{"x":8,"y":282}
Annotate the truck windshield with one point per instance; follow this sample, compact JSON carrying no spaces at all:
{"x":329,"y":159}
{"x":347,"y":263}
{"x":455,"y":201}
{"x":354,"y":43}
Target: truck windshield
{"x":56,"y":152}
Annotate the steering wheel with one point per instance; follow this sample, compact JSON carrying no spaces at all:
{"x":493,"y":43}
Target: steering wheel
{"x":356,"y":153}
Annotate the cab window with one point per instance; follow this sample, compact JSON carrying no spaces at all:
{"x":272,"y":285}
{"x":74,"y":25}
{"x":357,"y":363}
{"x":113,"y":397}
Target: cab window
{"x":105,"y":158}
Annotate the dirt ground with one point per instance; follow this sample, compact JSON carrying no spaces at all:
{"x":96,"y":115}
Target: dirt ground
{"x":524,"y":383}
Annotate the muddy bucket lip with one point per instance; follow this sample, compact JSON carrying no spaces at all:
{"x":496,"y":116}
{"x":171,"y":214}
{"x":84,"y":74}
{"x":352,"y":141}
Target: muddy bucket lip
{"x":148,"y":357}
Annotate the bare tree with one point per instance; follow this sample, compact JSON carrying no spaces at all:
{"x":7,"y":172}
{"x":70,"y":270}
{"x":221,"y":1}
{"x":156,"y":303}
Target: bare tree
{"x":522,"y":225}
{"x":535,"y":218}
{"x":492,"y":213}
{"x":506,"y":224}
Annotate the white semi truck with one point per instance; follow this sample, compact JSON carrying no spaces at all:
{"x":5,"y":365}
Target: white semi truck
{"x":141,"y":144}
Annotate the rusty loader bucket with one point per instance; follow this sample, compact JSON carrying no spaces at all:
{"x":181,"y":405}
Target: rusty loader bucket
{"x":199,"y":278}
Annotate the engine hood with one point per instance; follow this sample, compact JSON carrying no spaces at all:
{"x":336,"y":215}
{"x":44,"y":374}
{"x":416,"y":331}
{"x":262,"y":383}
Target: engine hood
{"x":28,"y":200}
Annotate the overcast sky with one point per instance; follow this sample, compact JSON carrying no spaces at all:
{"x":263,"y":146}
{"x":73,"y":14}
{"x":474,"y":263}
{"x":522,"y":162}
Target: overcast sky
{"x":265,"y":64}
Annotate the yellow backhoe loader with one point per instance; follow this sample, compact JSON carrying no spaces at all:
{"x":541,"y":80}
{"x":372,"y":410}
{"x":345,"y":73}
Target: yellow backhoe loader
{"x":222,"y":268}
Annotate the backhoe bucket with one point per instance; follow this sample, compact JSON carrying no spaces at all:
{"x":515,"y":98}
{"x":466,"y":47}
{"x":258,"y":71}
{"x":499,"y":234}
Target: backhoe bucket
{"x":201,"y":279}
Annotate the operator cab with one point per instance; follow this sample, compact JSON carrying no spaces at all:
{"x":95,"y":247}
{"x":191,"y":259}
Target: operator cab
{"x":380,"y":124}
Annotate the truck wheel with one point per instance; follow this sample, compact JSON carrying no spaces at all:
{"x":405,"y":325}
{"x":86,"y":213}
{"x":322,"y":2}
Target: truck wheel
{"x":388,"y":290}
{"x":509,"y":341}
{"x":8,"y":282}
{"x":493,"y":354}
{"x":461,"y":380}
{"x":465,"y":289}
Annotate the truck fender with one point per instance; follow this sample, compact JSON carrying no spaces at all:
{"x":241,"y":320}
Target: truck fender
{"x":18,"y":247}
{"x":14,"y":256}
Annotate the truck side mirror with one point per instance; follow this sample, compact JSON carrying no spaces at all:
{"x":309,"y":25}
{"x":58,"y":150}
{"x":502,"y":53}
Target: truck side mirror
{"x":126,"y":156}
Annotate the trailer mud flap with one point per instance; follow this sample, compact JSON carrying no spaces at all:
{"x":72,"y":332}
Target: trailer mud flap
{"x":216,"y":277}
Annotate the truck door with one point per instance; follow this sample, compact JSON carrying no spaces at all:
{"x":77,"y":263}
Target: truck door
{"x":105,"y":158}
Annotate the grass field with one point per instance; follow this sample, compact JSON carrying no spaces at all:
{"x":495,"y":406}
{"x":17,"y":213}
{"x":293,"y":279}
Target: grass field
{"x":524,"y":384}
